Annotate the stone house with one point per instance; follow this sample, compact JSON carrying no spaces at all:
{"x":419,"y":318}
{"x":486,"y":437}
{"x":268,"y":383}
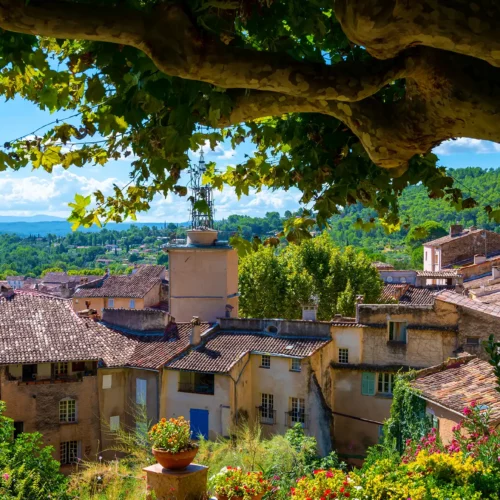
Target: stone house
{"x":139,"y":290}
{"x":459,"y":248}
{"x":274,"y":372}
{"x":451,"y":386}
{"x":367,"y":355}
{"x":48,"y":371}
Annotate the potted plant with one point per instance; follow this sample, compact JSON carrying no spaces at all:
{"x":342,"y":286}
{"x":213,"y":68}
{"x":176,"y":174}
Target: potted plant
{"x":172,"y":445}
{"x":232,"y":483}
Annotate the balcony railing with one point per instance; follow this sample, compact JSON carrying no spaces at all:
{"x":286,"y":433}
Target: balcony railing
{"x":266,"y":415}
{"x":296,"y":417}
{"x":196,"y":388}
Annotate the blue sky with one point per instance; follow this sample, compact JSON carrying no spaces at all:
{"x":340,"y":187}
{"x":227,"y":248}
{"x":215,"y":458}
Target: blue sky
{"x":30,"y":192}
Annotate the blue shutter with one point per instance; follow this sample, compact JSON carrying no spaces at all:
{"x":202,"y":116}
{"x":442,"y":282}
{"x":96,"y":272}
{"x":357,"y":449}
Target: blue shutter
{"x":368,"y":384}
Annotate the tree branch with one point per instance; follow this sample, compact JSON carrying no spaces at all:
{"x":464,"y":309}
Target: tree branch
{"x":168,"y":36}
{"x":388,"y":27}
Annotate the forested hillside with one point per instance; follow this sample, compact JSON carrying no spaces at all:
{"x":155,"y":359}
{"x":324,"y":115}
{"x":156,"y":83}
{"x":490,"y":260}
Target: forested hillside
{"x":416,"y":209}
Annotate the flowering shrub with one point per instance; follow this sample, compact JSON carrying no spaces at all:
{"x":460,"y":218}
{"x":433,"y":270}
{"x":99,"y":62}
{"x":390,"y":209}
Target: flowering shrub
{"x":173,"y":435}
{"x":233,"y":482}
{"x":327,"y":484}
{"x":473,"y":437}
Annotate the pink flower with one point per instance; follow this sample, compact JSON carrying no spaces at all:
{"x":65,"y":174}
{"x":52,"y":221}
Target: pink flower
{"x":473,"y":404}
{"x":467,"y":411}
{"x":6,"y":476}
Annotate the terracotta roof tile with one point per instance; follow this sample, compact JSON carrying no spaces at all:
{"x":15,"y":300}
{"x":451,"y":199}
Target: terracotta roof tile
{"x":135,"y":285}
{"x":36,"y":328}
{"x":409,"y":294}
{"x":153,"y":351}
{"x":220,"y":351}
{"x":445,"y":273}
{"x":456,"y":385}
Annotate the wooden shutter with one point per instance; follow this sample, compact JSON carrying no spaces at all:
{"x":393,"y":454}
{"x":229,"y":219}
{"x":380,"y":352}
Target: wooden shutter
{"x":368,"y":384}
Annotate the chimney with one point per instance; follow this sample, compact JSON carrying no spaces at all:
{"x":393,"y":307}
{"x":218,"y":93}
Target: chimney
{"x":495,"y":272}
{"x":479,"y":257}
{"x":456,"y":229}
{"x":309,"y":313}
{"x":6,"y":291}
{"x":195,"y":331}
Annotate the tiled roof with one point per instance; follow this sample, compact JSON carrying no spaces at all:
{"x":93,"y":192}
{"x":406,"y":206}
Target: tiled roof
{"x":382,"y":266}
{"x":448,"y":238}
{"x":135,"y":285}
{"x":60,"y":278}
{"x":454,"y":386}
{"x":153,"y":351}
{"x":223,"y":349}
{"x":474,"y":305}
{"x":445,"y":273}
{"x":36,"y":328}
{"x":409,"y":294}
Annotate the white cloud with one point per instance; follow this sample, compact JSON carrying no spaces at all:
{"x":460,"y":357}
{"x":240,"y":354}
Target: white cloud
{"x":466,"y":145}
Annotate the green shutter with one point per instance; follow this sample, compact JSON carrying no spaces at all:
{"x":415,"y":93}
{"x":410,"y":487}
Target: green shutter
{"x":368,"y":383}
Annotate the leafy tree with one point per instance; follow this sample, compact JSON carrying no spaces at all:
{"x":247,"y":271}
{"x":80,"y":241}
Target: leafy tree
{"x":277,"y":283}
{"x":162,"y":259}
{"x":134,"y":257}
{"x":28,"y":469}
{"x":337,"y":99}
{"x":52,"y":270}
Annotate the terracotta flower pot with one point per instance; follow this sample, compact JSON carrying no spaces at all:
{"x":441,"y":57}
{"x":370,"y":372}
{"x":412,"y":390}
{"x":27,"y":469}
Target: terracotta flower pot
{"x":224,"y":497}
{"x":175,"y":461}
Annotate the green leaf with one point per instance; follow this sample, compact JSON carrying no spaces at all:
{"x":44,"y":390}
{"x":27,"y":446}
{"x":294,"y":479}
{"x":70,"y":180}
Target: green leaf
{"x":95,"y":90}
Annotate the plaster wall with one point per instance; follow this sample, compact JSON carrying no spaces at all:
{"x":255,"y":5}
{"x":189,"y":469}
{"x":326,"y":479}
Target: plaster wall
{"x":348,"y":338}
{"x":353,"y":437}
{"x":175,"y":404}
{"x":100,"y":303}
{"x":37,"y":406}
{"x":201,"y":279}
{"x":153,"y":296}
{"x":447,"y":420}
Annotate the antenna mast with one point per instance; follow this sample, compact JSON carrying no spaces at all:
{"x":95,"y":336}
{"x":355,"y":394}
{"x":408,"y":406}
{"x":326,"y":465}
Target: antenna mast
{"x":201,"y":219}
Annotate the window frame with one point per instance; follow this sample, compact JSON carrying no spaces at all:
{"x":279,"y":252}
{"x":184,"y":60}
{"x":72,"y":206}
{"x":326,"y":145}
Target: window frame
{"x":71,"y":451}
{"x":267,"y":364}
{"x":293,"y":365}
{"x":477,"y":341}
{"x":111,"y":303}
{"x":107,"y":381}
{"x":383,"y":379}
{"x":343,"y":350}
{"x":114,"y":423}
{"x":61,"y":368}
{"x":390,"y":327}
{"x":131,"y":304}
{"x":297,"y":407}
{"x":68,"y":408}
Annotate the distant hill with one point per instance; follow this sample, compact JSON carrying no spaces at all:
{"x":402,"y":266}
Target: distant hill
{"x":30,"y":218}
{"x":24,"y":226}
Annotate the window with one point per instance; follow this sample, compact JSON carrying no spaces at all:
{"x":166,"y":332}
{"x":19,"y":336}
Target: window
{"x":265,"y":361}
{"x":426,"y":256}
{"x":106,"y":381}
{"x":397,"y":331}
{"x":402,"y":279}
{"x":68,"y":451}
{"x":198,"y":383}
{"x":114,"y":423}
{"x":18,"y":428}
{"x":132,"y":304}
{"x":60,"y":369}
{"x":78,"y":366}
{"x":433,"y":420}
{"x":385,"y":383}
{"x":267,"y":409}
{"x":472,"y":340}
{"x":389,"y":279}
{"x":368,"y":384}
{"x":295,"y":365}
{"x":141,"y":387}
{"x":111,"y":303}
{"x":298,"y":413}
{"x":67,"y":411}
{"x":343,"y":355}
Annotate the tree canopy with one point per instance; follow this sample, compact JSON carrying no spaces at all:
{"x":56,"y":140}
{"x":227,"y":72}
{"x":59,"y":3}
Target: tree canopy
{"x":342,"y":99}
{"x":276,"y":284}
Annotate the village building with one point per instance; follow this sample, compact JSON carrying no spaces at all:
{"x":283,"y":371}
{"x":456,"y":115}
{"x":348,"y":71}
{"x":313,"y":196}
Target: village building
{"x":450,"y":387}
{"x":203,"y":279}
{"x":49,"y":360}
{"x":385,"y":339}
{"x":145,"y":287}
{"x":460,"y":247}
{"x":274,"y":372}
{"x":15,"y":282}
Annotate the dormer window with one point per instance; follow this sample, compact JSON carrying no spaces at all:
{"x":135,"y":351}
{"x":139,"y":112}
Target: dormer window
{"x":397,"y":331}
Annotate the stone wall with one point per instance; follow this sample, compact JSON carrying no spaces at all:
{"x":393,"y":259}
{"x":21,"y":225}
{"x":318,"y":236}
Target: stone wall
{"x":279,"y":327}
{"x":137,"y":319}
{"x":465,"y":247}
{"x":474,"y":270}
{"x":476,"y":325}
